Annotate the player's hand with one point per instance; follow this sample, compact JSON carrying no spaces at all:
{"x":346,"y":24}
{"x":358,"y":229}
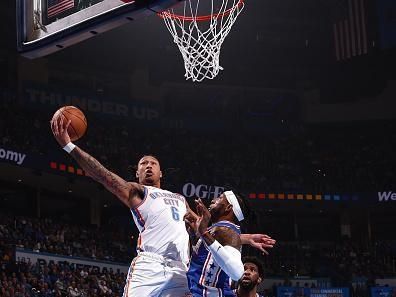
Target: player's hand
{"x":59,"y":129}
{"x":261,"y":242}
{"x":203,"y":217}
{"x":190,"y":219}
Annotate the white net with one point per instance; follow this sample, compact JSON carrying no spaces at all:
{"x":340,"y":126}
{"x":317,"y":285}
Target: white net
{"x":199,"y":35}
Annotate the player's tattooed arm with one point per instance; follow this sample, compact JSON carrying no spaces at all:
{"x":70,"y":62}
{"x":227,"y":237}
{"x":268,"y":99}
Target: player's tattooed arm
{"x":226,"y":236}
{"x":131,"y":194}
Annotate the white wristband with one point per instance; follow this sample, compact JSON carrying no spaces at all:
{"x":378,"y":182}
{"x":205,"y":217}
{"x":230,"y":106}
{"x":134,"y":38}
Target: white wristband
{"x":69,"y":147}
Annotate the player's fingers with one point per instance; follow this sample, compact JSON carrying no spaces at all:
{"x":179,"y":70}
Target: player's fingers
{"x":196,"y":206}
{"x":187,"y":216}
{"x":52,"y":126}
{"x":199,"y":210}
{"x":68,"y":124}
{"x":61,"y":125}
{"x":56,"y":131}
{"x":187,"y":221}
{"x":198,"y":203}
{"x":266,"y":238}
{"x":272,"y":241}
{"x":192,"y":217}
{"x":263,"y":239}
{"x":204,"y":208}
{"x":265,"y":252}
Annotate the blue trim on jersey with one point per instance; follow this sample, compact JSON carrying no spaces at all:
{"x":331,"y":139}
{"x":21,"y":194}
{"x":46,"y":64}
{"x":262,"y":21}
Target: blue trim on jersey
{"x":145,"y":193}
{"x":135,"y":211}
{"x":227,"y":224}
{"x":138,"y":217}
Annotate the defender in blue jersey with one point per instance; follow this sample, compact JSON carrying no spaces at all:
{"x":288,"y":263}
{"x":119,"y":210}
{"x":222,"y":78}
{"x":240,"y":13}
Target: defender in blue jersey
{"x":216,"y":256}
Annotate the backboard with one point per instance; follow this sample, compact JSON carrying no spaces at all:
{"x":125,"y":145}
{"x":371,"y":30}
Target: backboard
{"x":47,"y":26}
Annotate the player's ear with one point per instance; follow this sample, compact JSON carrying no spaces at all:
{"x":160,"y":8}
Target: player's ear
{"x":259,"y":280}
{"x":137,"y":174}
{"x":160,"y":174}
{"x":229,"y":208}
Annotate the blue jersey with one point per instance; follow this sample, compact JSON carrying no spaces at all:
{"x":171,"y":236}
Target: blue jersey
{"x":205,"y":277}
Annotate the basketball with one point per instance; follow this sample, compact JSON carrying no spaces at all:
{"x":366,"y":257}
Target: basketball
{"x":78,"y":124}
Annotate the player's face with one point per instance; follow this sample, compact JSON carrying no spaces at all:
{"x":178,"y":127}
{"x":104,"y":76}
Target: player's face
{"x":217,"y":206}
{"x":251,"y":277}
{"x":149,"y":171}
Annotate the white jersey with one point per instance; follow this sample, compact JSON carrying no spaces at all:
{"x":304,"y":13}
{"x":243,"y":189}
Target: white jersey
{"x":159,"y":218}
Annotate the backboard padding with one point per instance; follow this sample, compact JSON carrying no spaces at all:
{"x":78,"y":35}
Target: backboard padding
{"x":40,"y":33}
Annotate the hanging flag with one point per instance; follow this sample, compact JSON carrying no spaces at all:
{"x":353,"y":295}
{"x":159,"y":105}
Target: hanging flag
{"x":350,"y":31}
{"x":56,"y":7}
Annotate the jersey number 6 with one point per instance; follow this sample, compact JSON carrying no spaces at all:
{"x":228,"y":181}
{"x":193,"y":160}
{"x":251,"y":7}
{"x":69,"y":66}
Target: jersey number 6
{"x":175,"y":213}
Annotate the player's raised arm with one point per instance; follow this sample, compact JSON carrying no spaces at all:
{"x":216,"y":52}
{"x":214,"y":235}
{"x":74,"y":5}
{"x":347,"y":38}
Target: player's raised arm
{"x":131,"y":194}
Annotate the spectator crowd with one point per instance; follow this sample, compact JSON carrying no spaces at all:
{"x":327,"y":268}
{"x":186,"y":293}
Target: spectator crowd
{"x":341,"y":261}
{"x":310,"y":158}
{"x":317,"y":158}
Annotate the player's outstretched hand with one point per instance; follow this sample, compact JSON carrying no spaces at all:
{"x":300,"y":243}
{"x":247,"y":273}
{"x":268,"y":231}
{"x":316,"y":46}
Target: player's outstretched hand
{"x":60,"y":130}
{"x":203,"y":217}
{"x":190,"y":219}
{"x":262,"y":242}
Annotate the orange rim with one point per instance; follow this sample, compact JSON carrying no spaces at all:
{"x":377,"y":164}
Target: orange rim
{"x":167,"y":14}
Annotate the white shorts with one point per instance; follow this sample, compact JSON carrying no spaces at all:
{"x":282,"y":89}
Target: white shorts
{"x":151,"y":275}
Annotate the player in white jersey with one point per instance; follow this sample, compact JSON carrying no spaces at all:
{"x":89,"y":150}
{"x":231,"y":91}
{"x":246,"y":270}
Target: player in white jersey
{"x":162,"y":261}
{"x":163,"y":246}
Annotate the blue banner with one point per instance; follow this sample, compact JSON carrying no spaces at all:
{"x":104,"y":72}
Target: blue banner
{"x":387,"y":23}
{"x":44,"y":97}
{"x":57,"y":162}
{"x":288,"y":292}
{"x":312,"y":292}
{"x":383,"y":196}
{"x":15,"y":157}
{"x":383,"y":291}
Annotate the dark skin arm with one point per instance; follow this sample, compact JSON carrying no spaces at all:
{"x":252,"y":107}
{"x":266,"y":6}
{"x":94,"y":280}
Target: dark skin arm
{"x":259,"y":241}
{"x":190,"y":219}
{"x":131,"y":194}
{"x":225,"y":236}
{"x":262,"y":242}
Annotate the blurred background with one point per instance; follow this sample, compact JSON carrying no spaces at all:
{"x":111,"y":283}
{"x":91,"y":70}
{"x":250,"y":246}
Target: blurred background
{"x":301,"y":121}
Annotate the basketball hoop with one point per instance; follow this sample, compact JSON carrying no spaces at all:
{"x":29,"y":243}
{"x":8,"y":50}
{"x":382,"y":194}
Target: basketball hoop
{"x":199,"y":36}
